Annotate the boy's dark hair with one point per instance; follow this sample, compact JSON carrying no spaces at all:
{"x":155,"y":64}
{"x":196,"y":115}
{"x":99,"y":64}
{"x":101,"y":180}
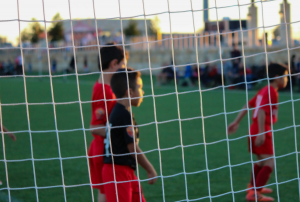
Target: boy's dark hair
{"x":109,"y":53}
{"x":118,"y":81}
{"x":276,"y":69}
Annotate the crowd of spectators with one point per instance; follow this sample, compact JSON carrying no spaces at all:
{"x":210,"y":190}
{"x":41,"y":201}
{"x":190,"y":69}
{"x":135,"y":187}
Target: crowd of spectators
{"x":210,"y":73}
{"x":230,"y":72}
{"x":10,"y":68}
{"x":16,"y":68}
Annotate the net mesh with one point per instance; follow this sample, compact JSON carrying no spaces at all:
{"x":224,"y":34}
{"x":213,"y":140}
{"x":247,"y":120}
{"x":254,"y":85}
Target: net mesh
{"x":169,"y":44}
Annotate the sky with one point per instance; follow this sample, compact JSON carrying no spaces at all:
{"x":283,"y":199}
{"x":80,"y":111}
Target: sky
{"x":181,"y":21}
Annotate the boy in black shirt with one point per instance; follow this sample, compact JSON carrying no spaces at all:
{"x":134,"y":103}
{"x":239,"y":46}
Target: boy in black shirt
{"x":121,"y":152}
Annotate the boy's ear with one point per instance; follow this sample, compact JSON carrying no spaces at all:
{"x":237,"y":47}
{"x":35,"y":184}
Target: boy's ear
{"x":275,"y":78}
{"x":113,"y":63}
{"x":130,"y":93}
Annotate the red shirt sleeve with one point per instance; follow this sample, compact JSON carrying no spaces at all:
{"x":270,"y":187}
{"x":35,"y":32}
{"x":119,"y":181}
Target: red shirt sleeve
{"x":266,"y":105}
{"x":251,"y":103}
{"x":100,"y":110}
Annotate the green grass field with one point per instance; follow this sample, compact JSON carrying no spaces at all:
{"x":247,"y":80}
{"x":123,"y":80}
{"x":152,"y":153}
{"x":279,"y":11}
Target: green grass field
{"x":177,"y":185}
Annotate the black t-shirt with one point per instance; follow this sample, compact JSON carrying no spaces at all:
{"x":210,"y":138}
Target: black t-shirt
{"x":120,"y":137}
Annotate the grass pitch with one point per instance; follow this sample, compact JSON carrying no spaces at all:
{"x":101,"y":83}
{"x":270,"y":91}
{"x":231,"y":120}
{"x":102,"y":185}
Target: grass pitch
{"x":37,"y":147}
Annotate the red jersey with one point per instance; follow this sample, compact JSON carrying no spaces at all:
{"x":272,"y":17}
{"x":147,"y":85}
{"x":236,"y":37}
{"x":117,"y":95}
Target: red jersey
{"x":98,"y":107}
{"x":99,"y":118}
{"x":261,"y":101}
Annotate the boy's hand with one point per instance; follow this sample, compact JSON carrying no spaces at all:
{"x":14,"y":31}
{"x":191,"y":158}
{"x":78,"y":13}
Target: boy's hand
{"x":151,"y":174}
{"x":12,"y":136}
{"x":232,"y":128}
{"x":260,"y":140}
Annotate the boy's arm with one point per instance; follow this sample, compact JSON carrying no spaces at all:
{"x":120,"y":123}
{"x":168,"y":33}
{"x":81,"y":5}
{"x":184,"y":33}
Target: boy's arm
{"x":143,"y":161}
{"x":261,"y":117}
{"x":11,"y":135}
{"x":241,"y":115}
{"x":98,"y":130}
{"x":232,"y":128}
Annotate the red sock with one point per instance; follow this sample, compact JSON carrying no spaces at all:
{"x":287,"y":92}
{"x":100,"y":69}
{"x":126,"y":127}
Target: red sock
{"x":263,"y":176}
{"x":255,"y":170}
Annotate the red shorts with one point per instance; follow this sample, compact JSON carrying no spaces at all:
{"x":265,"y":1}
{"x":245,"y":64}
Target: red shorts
{"x":266,"y":147}
{"x":127,"y":191}
{"x":96,"y":163}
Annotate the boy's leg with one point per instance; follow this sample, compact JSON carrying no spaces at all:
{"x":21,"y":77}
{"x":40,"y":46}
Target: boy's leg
{"x":255,"y":171}
{"x":123,"y":192}
{"x":188,"y":80}
{"x":101,"y":197}
{"x":137,"y":191}
{"x":261,"y":180}
{"x":96,"y":164}
{"x":266,"y":170}
{"x":164,"y":77}
{"x":158,"y":79}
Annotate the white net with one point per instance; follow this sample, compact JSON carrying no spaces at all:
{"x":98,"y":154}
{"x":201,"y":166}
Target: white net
{"x":197,"y":76}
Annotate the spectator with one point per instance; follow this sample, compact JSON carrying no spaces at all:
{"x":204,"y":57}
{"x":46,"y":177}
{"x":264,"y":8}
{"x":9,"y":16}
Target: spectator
{"x":85,"y":65}
{"x":71,"y":67}
{"x":1,"y":68}
{"x":54,"y":63}
{"x":98,"y":60}
{"x":204,"y":74}
{"x":29,"y":66}
{"x":298,"y":73}
{"x":209,"y":75}
{"x":293,"y":64}
{"x":195,"y":74}
{"x":9,"y":68}
{"x":227,"y":67}
{"x":18,"y":66}
{"x":234,"y":75}
{"x":235,"y":55}
{"x":188,"y":76}
{"x":166,"y":74}
{"x":213,"y":75}
{"x":259,"y":71}
{"x":292,"y":71}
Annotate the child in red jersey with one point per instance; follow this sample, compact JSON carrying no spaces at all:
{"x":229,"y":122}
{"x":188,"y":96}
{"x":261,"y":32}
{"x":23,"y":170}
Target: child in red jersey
{"x":11,"y":135}
{"x":112,"y":59}
{"x":264,"y":114}
{"x":122,"y":151}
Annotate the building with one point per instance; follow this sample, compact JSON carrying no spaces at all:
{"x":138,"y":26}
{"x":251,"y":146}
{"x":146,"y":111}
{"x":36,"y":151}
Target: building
{"x":85,"y":29}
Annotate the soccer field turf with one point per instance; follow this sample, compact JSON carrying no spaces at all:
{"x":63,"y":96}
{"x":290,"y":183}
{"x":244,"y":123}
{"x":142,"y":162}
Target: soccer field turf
{"x":195,"y":183}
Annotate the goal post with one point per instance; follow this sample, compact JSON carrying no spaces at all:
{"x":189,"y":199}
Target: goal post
{"x":193,"y":82}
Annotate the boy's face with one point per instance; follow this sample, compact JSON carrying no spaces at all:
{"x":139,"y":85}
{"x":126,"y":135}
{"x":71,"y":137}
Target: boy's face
{"x":137,"y":94}
{"x":283,"y":80}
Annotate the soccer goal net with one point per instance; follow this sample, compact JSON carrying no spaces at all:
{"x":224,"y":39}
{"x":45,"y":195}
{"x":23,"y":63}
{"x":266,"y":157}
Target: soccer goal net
{"x":200,"y":63}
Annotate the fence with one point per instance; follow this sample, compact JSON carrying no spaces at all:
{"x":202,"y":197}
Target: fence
{"x":180,"y":41}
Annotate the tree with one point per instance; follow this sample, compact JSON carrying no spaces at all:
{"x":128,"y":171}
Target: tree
{"x":32,"y":32}
{"x":56,"y":31}
{"x":25,"y":36}
{"x":132,"y":29}
{"x":3,"y":39}
{"x":35,"y":29}
{"x":154,"y":27}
